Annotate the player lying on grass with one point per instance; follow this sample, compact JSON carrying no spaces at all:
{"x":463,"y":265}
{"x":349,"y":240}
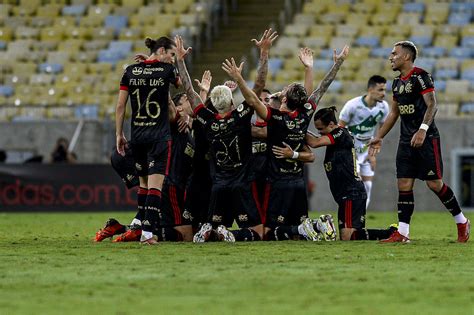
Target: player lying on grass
{"x":344,"y":182}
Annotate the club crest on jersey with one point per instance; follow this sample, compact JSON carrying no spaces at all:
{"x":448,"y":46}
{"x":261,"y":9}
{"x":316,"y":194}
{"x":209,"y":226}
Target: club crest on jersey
{"x":328,"y":166}
{"x":281,"y":219}
{"x":187,"y":215}
{"x":130,"y":177}
{"x":408,"y":87}
{"x":138,"y":166}
{"x":223,"y":126}
{"x":137,"y":71}
{"x":402,"y":88}
{"x":290,"y":124}
{"x":215,"y":127}
{"x":151,"y":164}
{"x":308,"y":106}
{"x":240,"y":108}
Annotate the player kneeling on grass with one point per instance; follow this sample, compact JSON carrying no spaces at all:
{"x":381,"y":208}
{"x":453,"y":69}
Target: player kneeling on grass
{"x":345,"y":184}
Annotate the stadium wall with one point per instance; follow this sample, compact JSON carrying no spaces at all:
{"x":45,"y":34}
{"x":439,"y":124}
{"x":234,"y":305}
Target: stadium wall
{"x":97,"y":139}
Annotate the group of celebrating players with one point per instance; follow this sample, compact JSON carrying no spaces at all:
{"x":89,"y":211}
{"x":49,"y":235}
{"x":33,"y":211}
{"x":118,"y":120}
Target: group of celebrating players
{"x":203,"y":163}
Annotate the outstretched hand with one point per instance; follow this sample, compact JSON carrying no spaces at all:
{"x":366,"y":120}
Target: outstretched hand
{"x":266,"y":40}
{"x":205,"y":83}
{"x":231,"y":68}
{"x":181,"y":52}
{"x":231,"y":85}
{"x":342,"y":55}
{"x":285,"y":152}
{"x":374,"y":146}
{"x":306,"y":57}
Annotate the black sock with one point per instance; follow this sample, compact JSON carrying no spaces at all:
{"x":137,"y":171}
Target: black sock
{"x":152,"y":210}
{"x":141,"y":200}
{"x":283,"y":233}
{"x":447,"y":197}
{"x":372,"y":234}
{"x":406,"y":205}
{"x":168,"y":234}
{"x":245,"y":235}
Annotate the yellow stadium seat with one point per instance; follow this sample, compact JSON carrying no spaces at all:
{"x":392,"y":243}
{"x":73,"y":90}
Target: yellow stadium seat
{"x":6,"y":34}
{"x":70,"y":45}
{"x":156,"y":31}
{"x":77,"y":32}
{"x":408,"y":18}
{"x":446,"y":109}
{"x":49,"y":10}
{"x":25,"y":32}
{"x":468,"y":30}
{"x":130,"y":34}
{"x":63,"y":113}
{"x":356,"y":88}
{"x":339,"y":42}
{"x":298,"y":30}
{"x":287,"y":77}
{"x":346,"y":30}
{"x":388,"y":41}
{"x":52,"y":33}
{"x":321,"y":30}
{"x":74,"y":70}
{"x":170,"y":20}
{"x":92,"y":21}
{"x":364,"y":7}
{"x":457,"y":87}
{"x":401,"y":30}
{"x":446,"y":41}
{"x":188,"y":19}
{"x":373,"y":30}
{"x":5,"y":10}
{"x":24,"y":10}
{"x":104,"y":33}
{"x":42,"y":79}
{"x":333,"y":18}
{"x":446,"y":29}
{"x":126,"y":10}
{"x":423,"y":30}
{"x":100,"y":68}
{"x":101,"y":10}
{"x":315,"y":42}
{"x":467,"y":64}
{"x":358,"y":19}
{"x":314,"y":8}
{"x":304,"y":19}
{"x":27,"y":68}
{"x":447,"y":63}
{"x":46,"y":46}
{"x":17,"y":78}
{"x":386,"y":18}
{"x":65,"y":21}
{"x":133,"y":3}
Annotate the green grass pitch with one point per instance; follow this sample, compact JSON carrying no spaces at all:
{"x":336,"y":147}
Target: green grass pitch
{"x":49,"y":265}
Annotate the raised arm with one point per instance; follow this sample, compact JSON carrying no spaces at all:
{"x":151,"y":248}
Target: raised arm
{"x":205,"y":84}
{"x":286,"y":152}
{"x":329,"y":77}
{"x":181,"y":52}
{"x":306,"y":58}
{"x":264,"y":45}
{"x":251,"y":98}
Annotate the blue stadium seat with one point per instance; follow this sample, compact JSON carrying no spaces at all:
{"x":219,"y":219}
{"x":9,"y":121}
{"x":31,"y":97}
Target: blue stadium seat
{"x":459,"y":18}
{"x":445,"y":74}
{"x":461,"y":6}
{"x":77,"y":10}
{"x":467,"y":41}
{"x":335,"y":86}
{"x":110,"y":56}
{"x":422,"y":40}
{"x":3,"y":45}
{"x":121,"y":45}
{"x":468,"y":74}
{"x":323,"y":64}
{"x":416,"y":7}
{"x":117,"y":22}
{"x":381,"y":52}
{"x":461,"y":53}
{"x":371,"y":41}
{"x":50,"y":67}
{"x":86,"y":112}
{"x":6,"y":90}
{"x":434,"y":51}
{"x":274,"y":65}
{"x":440,"y":85}
{"x":467,"y":108}
{"x":426,"y":63}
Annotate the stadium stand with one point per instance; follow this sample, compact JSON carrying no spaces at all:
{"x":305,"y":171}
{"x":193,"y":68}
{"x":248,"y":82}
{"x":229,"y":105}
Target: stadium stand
{"x":57,"y":57}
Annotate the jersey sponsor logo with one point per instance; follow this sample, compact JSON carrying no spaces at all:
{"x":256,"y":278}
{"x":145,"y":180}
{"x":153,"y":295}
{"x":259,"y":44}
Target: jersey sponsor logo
{"x":223,"y":126}
{"x":216,"y":218}
{"x":243,"y":217}
{"x":430,"y":173}
{"x":151,"y":164}
{"x":138,"y":166}
{"x":187,"y":215}
{"x":281,"y":219}
{"x":259,"y":147}
{"x":362,"y":219}
{"x":338,"y":134}
{"x":130,"y":177}
{"x":290,"y":124}
{"x":422,"y":82}
{"x":328,"y":166}
{"x":189,"y":150}
{"x":137,"y":71}
{"x":215,"y":126}
{"x":240,"y":108}
{"x":406,"y":109}
{"x":308,"y":106}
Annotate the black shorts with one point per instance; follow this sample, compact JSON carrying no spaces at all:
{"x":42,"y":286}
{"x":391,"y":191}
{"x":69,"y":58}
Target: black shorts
{"x":152,"y":158}
{"x":198,"y":194}
{"x":424,"y":163}
{"x":125,"y":167}
{"x":287,"y":203}
{"x":234,"y":201}
{"x":172,"y":205}
{"x":351,"y":213}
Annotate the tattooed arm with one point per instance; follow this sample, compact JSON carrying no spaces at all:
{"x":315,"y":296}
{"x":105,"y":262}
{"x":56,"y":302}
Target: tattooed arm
{"x":264,"y":45}
{"x":315,"y":97}
{"x":193,"y":97}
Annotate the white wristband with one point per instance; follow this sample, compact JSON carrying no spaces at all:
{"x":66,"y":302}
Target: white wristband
{"x":295,"y":155}
{"x":425,"y":127}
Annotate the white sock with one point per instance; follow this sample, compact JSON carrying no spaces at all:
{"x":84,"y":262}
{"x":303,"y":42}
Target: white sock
{"x":146,"y":235}
{"x":368,"y":189}
{"x":460,"y":218}
{"x":300,"y":229}
{"x":135,"y":221}
{"x":403,"y":228}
